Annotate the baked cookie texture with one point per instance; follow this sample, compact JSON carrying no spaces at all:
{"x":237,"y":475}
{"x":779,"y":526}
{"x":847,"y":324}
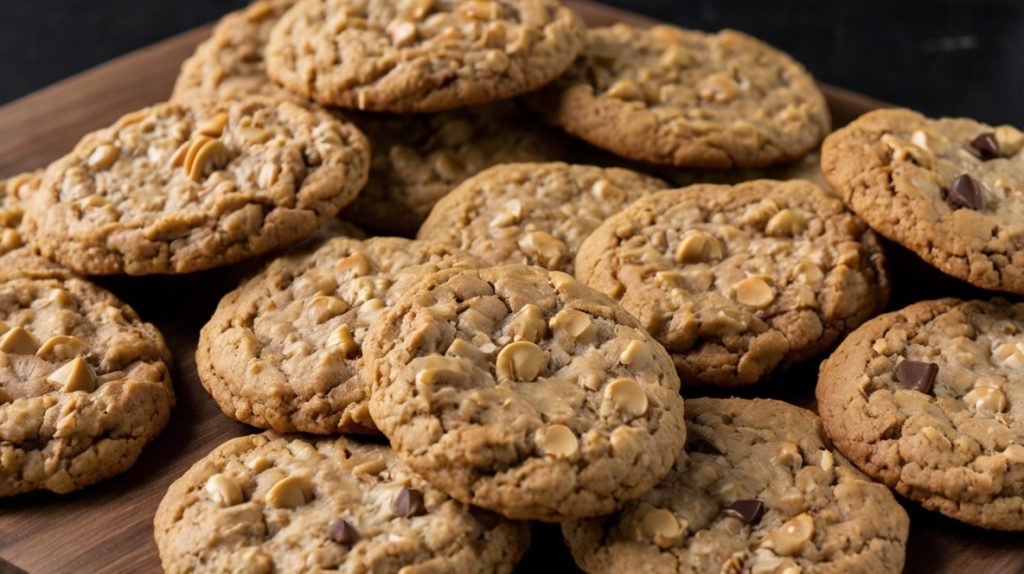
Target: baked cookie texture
{"x":416,"y":163}
{"x":84,"y":383}
{"x":953,"y":439}
{"x":178,"y":187}
{"x":739,"y":281}
{"x":759,"y":490}
{"x":279,"y":504}
{"x":283,"y":351}
{"x":230,"y":63}
{"x":533,"y":213}
{"x":522,"y":391}
{"x":421,"y":56}
{"x":681,"y":97}
{"x":896,"y":169}
{"x":14,"y":191}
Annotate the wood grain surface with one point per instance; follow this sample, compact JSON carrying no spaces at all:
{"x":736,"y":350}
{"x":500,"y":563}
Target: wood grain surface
{"x":108,"y":527}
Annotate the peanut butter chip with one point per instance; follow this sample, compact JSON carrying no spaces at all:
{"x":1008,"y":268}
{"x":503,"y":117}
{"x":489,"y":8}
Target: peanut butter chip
{"x":75,"y":375}
{"x":699,"y":247}
{"x":791,"y":537}
{"x":290,"y":492}
{"x":258,"y":464}
{"x":18,"y":341}
{"x":662,"y":527}
{"x":529,"y":324}
{"x":224,"y":490}
{"x":357,"y":264}
{"x":521,"y":361}
{"x":408,"y":502}
{"x":341,"y":340}
{"x":786,"y":223}
{"x":323,"y":307}
{"x":214,"y":126}
{"x":62,"y":347}
{"x":558,"y":441}
{"x":372,"y":467}
{"x":755,"y":292}
{"x":544,"y":248}
{"x":562,"y":281}
{"x":576,"y":324}
{"x":789,"y":455}
{"x":201,"y":156}
{"x":103,"y":157}
{"x":635,"y":353}
{"x":986,"y":400}
{"x":627,"y":397}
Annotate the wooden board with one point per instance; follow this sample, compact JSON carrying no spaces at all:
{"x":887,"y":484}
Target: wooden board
{"x":108,"y":527}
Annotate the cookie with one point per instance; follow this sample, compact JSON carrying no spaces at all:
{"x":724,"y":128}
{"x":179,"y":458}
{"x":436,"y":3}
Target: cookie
{"x":13,"y":193}
{"x":421,"y":55}
{"x":760,"y":490}
{"x":808,"y":168}
{"x":283,"y":350}
{"x":533,"y":213}
{"x":739,"y":281}
{"x":947,"y":189}
{"x":180,"y":187}
{"x":686,"y":98}
{"x":521,"y":391}
{"x":268,"y":503}
{"x":230,"y":65}
{"x":414,"y":163}
{"x":84,"y":383}
{"x":930,"y":400}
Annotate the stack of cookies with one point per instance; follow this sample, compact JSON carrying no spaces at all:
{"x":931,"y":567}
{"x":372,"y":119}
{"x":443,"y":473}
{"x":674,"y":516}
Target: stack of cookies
{"x":511,"y":341}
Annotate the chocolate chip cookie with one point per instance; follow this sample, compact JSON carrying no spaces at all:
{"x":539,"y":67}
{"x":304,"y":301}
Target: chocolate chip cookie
{"x":13,"y":193}
{"x":268,"y":503}
{"x":739,"y":281}
{"x":533,"y":213}
{"x":421,"y":55}
{"x":686,"y":98}
{"x":947,"y":189}
{"x":181,"y":187}
{"x":84,"y":383}
{"x":759,"y":490}
{"x":930,"y":400}
{"x":283,"y":350}
{"x":415,"y":163}
{"x":522,"y":391}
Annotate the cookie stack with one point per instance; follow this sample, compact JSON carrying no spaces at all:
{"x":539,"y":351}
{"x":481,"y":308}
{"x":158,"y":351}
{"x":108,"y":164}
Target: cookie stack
{"x":511,"y":343}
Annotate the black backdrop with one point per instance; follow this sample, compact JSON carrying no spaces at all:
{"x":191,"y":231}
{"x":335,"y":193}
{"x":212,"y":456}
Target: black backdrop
{"x":952,"y":57}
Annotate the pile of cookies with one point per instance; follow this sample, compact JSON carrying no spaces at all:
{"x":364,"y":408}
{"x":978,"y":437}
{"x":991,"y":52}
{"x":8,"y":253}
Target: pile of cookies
{"x":511,"y":343}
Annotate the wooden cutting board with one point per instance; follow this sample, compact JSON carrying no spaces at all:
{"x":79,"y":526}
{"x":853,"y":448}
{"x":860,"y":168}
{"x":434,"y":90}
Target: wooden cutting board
{"x":108,"y":527}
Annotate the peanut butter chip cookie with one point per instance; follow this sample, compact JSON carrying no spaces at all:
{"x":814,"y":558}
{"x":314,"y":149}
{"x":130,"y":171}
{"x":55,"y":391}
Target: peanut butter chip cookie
{"x":265,"y":503}
{"x":282,"y":351}
{"x":421,"y":55}
{"x":84,"y":383}
{"x":415,"y":163}
{"x":522,"y":391}
{"x":759,"y":490}
{"x":687,"y":98}
{"x":739,"y":281}
{"x":14,"y":191}
{"x":536,"y":214}
{"x":230,"y":63}
{"x":183,"y":187}
{"x":951,"y":190}
{"x":930,"y":400}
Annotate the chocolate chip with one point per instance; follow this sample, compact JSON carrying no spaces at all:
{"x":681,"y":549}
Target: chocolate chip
{"x":917,"y":375}
{"x":342,"y":532}
{"x":408,"y":502}
{"x":966,"y":192}
{"x":749,"y":511}
{"x":985,"y":146}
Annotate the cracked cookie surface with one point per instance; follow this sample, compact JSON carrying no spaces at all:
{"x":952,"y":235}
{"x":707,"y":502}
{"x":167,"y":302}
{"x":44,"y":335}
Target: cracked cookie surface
{"x":283,"y":350}
{"x":522,"y":391}
{"x":759,"y":490}
{"x":739,"y":281}
{"x":533,"y":213}
{"x":84,"y":383}
{"x":421,"y":55}
{"x":896,"y":169}
{"x":954,"y":443}
{"x":687,"y":98}
{"x":178,"y":187}
{"x":282,"y":504}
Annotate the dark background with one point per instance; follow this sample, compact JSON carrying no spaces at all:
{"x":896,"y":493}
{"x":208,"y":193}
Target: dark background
{"x":943,"y":57}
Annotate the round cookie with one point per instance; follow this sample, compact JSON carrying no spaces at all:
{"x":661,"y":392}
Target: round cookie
{"x":421,"y":56}
{"x":178,"y":187}
{"x":230,"y":64}
{"x":272,"y":503}
{"x":533,"y":213}
{"x":739,"y":281}
{"x":283,"y":350}
{"x":686,"y":98}
{"x":930,"y":400}
{"x":758,"y":491}
{"x":14,"y":191}
{"x":522,"y":391}
{"x":84,"y":383}
{"x":947,"y":189}
{"x":415,"y":163}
